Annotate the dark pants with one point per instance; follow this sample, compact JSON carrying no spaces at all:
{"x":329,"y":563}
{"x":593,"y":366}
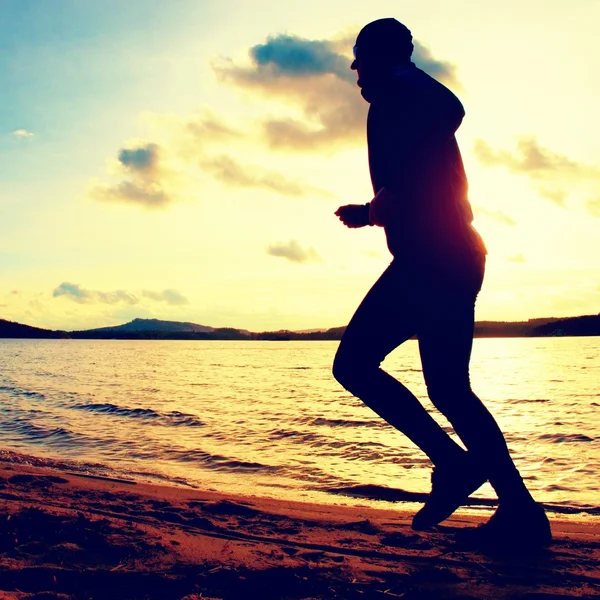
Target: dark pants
{"x":433,"y":299}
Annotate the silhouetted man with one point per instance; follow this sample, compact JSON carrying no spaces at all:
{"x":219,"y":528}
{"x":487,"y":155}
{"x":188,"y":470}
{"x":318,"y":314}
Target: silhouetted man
{"x":429,"y":289}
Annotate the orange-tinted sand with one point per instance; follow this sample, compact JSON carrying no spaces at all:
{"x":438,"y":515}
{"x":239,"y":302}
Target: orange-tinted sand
{"x":69,"y":536}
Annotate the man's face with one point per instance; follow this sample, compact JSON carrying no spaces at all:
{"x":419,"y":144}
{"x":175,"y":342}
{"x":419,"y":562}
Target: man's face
{"x":360,"y":66}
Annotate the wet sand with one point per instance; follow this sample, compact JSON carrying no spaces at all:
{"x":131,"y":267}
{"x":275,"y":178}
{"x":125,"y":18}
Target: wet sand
{"x":68,"y":536}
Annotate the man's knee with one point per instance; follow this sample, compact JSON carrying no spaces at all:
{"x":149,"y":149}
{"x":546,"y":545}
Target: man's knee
{"x":351,"y":371}
{"x":342,"y":370}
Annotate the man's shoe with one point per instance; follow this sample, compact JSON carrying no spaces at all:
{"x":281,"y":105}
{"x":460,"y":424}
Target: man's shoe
{"x":450,"y":488}
{"x":521,"y":528}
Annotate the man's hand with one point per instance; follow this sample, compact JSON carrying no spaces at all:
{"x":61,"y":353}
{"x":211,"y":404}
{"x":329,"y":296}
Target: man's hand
{"x":353,"y":215}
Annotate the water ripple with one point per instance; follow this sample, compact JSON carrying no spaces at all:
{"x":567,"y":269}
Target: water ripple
{"x":560,"y":438}
{"x":173,"y":418}
{"x":17,"y":392}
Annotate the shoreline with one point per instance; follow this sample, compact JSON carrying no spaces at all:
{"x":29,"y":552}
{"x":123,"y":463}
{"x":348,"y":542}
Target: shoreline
{"x":71,"y":535}
{"x":368,"y":495}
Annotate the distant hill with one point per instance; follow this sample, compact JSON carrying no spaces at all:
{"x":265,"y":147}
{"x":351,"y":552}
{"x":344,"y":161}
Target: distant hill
{"x":162,"y":330}
{"x":509,"y":328}
{"x":587,"y":325}
{"x":9,"y":329}
{"x":154,"y":325}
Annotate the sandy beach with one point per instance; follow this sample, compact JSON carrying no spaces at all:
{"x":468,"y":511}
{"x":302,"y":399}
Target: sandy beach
{"x":67,"y":535}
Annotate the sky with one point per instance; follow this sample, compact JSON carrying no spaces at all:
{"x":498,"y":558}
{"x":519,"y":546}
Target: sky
{"x":183,"y":160}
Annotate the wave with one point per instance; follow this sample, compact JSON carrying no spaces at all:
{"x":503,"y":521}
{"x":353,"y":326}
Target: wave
{"x":380,"y":492}
{"x":11,"y":456}
{"x":353,"y":450}
{"x":316,"y":440}
{"x":345,"y":422}
{"x":555,"y":487}
{"x":560,"y":438}
{"x":298,"y":437}
{"x":174,"y":418}
{"x":89,"y":469}
{"x":216,"y":462}
{"x":17,"y":392}
{"x":526,"y":400}
{"x":39,"y":434}
{"x":329,"y":422}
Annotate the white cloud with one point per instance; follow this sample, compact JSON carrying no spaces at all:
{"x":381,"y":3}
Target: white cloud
{"x":293,"y":252}
{"x":550,"y":172}
{"x":81,"y":295}
{"x":496,"y":215}
{"x":170,"y":296}
{"x":22,"y":134}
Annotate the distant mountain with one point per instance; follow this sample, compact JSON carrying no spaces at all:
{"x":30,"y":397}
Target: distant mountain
{"x":9,"y":329}
{"x":154,"y":325}
{"x":156,"y":329}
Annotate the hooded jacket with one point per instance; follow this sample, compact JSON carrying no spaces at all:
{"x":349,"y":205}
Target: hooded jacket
{"x":413,"y":152}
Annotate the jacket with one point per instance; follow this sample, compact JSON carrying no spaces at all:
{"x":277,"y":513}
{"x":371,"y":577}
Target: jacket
{"x":413,"y":152}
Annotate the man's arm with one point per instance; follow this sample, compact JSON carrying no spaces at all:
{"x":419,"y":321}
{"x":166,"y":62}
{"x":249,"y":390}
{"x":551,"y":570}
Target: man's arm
{"x":406,"y":139}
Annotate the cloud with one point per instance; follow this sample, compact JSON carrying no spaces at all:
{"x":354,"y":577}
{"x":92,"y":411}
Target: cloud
{"x":593,"y":207}
{"x":336,"y":128}
{"x":209,"y":127}
{"x":555,"y":172}
{"x":293,"y":252}
{"x":332,"y":112}
{"x":144,"y":158}
{"x":147,"y":180}
{"x":81,"y":295}
{"x":533,"y":159}
{"x":78,"y":294}
{"x":441,"y":70}
{"x":172,"y":297}
{"x":315,"y":77}
{"x":150,"y":196}
{"x":497,"y":215}
{"x":294,"y":56}
{"x":517,"y":258}
{"x":299,"y":57}
{"x":555,"y":195}
{"x":229,"y":171}
{"x":322,"y":111}
{"x":191,"y":134}
{"x":22,"y":134}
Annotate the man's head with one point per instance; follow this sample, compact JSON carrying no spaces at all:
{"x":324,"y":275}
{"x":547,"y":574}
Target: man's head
{"x":380,"y":45}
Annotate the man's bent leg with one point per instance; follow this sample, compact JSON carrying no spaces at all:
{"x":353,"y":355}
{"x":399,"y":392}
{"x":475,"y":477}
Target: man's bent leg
{"x":383,"y":321}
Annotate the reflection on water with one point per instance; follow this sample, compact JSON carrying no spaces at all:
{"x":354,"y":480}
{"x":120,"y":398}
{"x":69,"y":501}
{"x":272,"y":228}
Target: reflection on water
{"x":268,"y":418}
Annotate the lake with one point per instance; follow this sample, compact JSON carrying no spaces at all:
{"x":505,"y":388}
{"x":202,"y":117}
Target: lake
{"x":268,"y":418}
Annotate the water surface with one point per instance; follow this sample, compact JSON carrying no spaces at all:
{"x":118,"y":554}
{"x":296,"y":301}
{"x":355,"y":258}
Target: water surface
{"x":268,"y":418}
